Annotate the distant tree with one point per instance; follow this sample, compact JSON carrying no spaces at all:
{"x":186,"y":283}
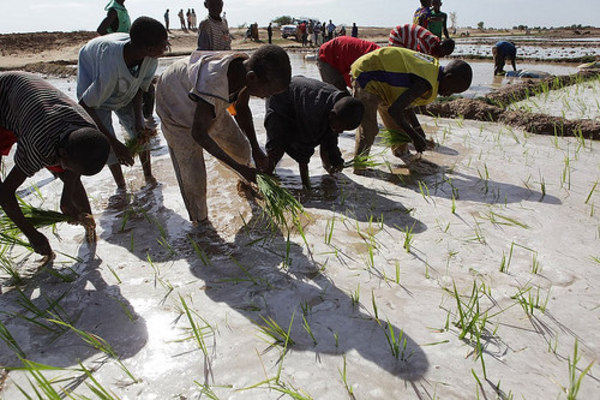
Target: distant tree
{"x":452,"y":15}
{"x":283,"y":20}
{"x":480,"y":25}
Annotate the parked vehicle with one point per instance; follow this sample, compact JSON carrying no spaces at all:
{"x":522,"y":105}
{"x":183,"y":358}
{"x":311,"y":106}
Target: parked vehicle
{"x":288,"y":30}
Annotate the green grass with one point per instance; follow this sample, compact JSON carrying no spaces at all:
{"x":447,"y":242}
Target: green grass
{"x":275,"y":333}
{"x":575,"y":376}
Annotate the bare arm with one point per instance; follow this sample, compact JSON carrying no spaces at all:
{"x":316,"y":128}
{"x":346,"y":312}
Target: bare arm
{"x":111,"y":17}
{"x":398,"y":110}
{"x":203,"y":119}
{"x":9,"y":203}
{"x":74,"y":203}
{"x":119,"y":148}
{"x":244,"y":119}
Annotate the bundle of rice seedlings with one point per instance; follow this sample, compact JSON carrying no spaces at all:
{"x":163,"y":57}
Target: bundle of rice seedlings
{"x":37,"y":217}
{"x":140,"y":143}
{"x":278,"y":201}
{"x":394,"y":137}
{"x":362,"y":161}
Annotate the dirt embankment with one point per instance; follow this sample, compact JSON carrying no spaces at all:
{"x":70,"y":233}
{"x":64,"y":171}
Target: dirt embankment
{"x":492,"y":108}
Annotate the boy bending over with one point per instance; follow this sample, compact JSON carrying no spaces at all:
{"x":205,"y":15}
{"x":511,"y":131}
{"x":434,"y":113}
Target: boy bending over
{"x":198,"y":98}
{"x":309,"y":114}
{"x":391,"y":80}
{"x":51,"y":131}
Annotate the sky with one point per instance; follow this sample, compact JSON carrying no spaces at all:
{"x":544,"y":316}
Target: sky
{"x":73,"y":15}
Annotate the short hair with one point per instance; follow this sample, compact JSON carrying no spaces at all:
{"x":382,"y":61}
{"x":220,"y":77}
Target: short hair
{"x":88,"y":148}
{"x":463,"y":73}
{"x":271,"y":63}
{"x":350,"y":110}
{"x":448,"y":45}
{"x":146,"y":31}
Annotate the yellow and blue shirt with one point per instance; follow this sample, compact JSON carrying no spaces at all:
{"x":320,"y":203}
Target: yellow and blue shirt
{"x":386,"y":73}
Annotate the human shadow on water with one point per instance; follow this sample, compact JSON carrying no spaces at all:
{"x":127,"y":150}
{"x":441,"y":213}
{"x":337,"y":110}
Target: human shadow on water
{"x":430,"y":179}
{"x":79,"y":296}
{"x":278,"y":281}
{"x":345,"y":196}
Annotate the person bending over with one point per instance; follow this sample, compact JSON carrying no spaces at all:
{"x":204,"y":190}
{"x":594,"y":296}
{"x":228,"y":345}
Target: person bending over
{"x":202,"y":101}
{"x":417,"y":38}
{"x":308,"y":114}
{"x":113,"y":73}
{"x":391,"y":80}
{"x":51,"y":131}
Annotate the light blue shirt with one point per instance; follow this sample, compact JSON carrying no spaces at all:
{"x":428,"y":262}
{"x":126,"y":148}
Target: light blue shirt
{"x":103,"y":78}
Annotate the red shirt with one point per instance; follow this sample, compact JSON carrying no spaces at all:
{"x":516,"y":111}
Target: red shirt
{"x":413,"y":37}
{"x":342,"y":51}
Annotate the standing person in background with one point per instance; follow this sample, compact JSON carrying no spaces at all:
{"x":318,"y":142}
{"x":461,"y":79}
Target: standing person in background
{"x":270,"y":32}
{"x":194,"y":20}
{"x":342,"y":31}
{"x":336,"y":57}
{"x":324,"y":32}
{"x":417,"y":38}
{"x":182,"y":20}
{"x":501,"y":52}
{"x":188,"y":19}
{"x":354,"y":30}
{"x":310,"y":30}
{"x":167,"y":20}
{"x":330,"y":30}
{"x":303,"y":33}
{"x":316,"y":32}
{"x":213,"y":32}
{"x":421,"y":16}
{"x":117,"y":18}
{"x":113,"y":72}
{"x":438,"y":20}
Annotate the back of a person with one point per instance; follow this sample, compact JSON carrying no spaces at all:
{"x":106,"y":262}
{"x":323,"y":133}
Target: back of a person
{"x":436,"y":22}
{"x":386,"y":73}
{"x":421,"y":16}
{"x":342,"y":51}
{"x":103,"y":57}
{"x":124,"y":22}
{"x":213,"y":35}
{"x":413,"y":37}
{"x":507,"y":49}
{"x":310,"y":102}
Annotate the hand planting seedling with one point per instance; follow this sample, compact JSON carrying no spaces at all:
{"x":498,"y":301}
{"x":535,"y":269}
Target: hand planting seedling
{"x":278,"y":202}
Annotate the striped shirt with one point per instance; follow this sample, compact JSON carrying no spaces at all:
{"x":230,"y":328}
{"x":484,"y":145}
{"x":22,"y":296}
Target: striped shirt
{"x":40,"y":116}
{"x":213,"y":35}
{"x":413,"y":37}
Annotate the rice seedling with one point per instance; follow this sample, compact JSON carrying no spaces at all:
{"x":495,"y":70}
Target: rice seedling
{"x":206,"y":390}
{"x":499,"y":219}
{"x":344,"y":375}
{"x":280,"y":337}
{"x":43,"y":387}
{"x":199,"y":252}
{"x":277,"y":202}
{"x":37,"y":217}
{"x":536,"y":267}
{"x":329,"y":230}
{"x":355,"y":296}
{"x":308,"y":330}
{"x":575,"y":377}
{"x":306,"y":308}
{"x":424,"y":190}
{"x":393,"y":137}
{"x":408,"y":237}
{"x":198,"y":332}
{"x":397,"y":272}
{"x":396,"y":341}
{"x":362,"y":161}
{"x":375,"y":312}
{"x":589,"y":196}
{"x":10,"y":341}
{"x":97,"y":343}
{"x":7,"y":265}
{"x":39,"y":315}
{"x":119,"y":281}
{"x":530,"y":301}
{"x":505,"y":264}
{"x":336,"y":338}
{"x":566,"y":175}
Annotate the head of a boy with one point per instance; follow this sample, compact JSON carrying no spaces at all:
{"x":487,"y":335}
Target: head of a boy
{"x":149,"y":36}
{"x":436,"y":4}
{"x":268,"y":71}
{"x":456,"y":77}
{"x":346,"y":114}
{"x":84,"y":151}
{"x":214,"y":7}
{"x":425,"y":3}
{"x":444,"y":48}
